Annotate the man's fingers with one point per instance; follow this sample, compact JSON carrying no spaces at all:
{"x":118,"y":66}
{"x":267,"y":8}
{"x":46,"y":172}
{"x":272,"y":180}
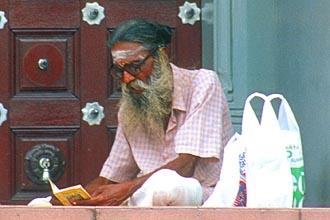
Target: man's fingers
{"x":84,"y":202}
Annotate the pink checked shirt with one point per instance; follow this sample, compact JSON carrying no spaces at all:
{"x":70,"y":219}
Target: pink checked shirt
{"x":199,"y":125}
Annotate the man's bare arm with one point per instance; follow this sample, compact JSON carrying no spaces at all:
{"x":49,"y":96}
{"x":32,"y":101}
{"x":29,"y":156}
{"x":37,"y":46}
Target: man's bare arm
{"x":99,"y":181}
{"x":116,"y":194}
{"x":184,"y":165}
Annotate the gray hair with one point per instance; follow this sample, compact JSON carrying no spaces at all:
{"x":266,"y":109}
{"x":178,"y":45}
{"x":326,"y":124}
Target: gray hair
{"x":149,"y":33}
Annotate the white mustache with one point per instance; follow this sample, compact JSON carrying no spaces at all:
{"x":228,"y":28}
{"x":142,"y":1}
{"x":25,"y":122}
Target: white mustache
{"x":138,"y":85}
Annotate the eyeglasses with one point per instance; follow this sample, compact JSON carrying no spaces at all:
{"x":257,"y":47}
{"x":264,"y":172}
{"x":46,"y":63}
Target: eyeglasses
{"x":133,"y":68}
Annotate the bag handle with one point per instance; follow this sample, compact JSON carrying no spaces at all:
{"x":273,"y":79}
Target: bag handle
{"x":253,"y":95}
{"x":269,"y":118}
{"x":250,"y":121}
{"x":286,"y":117}
{"x":285,"y":120}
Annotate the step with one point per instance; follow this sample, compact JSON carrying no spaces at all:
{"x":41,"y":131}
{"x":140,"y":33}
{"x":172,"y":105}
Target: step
{"x":159,"y":213}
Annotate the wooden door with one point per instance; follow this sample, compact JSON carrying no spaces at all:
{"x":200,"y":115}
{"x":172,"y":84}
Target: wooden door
{"x":51,"y":64}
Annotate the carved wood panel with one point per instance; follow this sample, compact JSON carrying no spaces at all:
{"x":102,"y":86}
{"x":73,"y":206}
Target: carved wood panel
{"x":45,"y":99}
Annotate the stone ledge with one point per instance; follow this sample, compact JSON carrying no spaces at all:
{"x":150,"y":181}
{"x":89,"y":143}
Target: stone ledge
{"x":159,"y":213}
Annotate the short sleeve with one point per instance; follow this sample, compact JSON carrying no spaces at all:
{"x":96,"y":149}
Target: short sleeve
{"x":120,"y":165}
{"x":206,"y":116}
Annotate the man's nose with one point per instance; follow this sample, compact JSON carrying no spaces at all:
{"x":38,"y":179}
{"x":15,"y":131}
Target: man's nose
{"x":127,"y":78}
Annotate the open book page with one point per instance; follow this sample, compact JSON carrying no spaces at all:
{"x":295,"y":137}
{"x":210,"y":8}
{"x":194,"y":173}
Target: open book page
{"x":53,"y":186}
{"x":70,"y":194}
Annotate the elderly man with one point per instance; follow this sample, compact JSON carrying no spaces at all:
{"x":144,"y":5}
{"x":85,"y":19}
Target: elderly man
{"x":173,"y":125}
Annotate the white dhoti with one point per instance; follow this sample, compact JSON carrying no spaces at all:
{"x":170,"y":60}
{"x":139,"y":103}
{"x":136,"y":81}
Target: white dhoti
{"x":168,"y":188}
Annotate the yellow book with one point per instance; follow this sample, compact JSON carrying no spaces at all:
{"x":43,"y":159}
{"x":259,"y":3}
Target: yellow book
{"x":70,"y":194}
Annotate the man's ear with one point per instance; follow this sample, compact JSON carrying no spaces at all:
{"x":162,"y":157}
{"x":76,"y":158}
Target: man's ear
{"x":166,"y":50}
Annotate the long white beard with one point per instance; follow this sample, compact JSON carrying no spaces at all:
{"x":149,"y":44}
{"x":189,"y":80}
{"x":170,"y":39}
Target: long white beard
{"x":152,"y":110}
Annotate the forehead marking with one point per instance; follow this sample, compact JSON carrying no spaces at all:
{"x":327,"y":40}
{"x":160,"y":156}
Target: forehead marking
{"x":124,"y":54}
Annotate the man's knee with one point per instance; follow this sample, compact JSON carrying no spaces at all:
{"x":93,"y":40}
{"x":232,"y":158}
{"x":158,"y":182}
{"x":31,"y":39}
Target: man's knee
{"x":167,"y":188}
{"x":171,"y":189}
{"x":185,"y":192}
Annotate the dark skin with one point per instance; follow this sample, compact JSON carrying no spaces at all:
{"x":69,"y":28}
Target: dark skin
{"x":108,"y":193}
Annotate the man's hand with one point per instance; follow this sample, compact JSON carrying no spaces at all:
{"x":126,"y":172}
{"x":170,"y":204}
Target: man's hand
{"x":108,"y":195}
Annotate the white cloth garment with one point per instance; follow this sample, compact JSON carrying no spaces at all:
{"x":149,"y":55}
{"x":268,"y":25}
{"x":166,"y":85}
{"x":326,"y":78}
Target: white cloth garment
{"x":168,"y":188}
{"x":44,"y":202}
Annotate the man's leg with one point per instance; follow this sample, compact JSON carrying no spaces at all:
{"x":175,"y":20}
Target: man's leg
{"x":167,"y":188}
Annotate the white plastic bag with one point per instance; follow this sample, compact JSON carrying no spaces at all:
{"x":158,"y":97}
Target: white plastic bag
{"x":268,"y":174}
{"x":291,"y":136}
{"x":266,"y":153}
{"x":226,"y":193}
